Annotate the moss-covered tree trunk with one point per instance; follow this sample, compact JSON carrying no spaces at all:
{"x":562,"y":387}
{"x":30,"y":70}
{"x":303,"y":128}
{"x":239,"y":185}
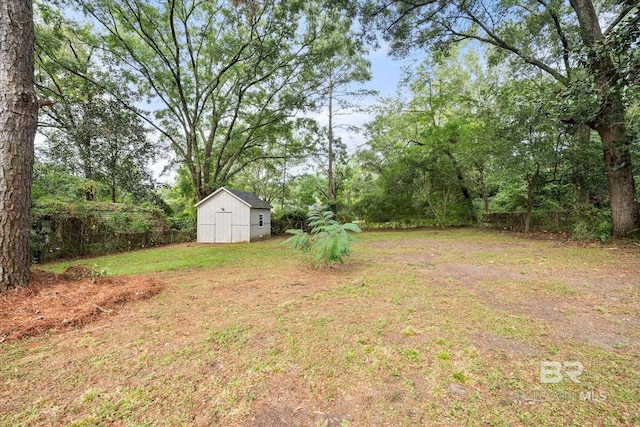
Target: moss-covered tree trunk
{"x":625,"y":216}
{"x":18,"y":122}
{"x":610,"y":124}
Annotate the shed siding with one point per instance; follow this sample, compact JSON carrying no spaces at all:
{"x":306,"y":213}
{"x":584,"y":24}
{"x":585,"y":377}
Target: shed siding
{"x":206,"y":223}
{"x":224,"y":218}
{"x":258,"y":232}
{"x":223,"y":203}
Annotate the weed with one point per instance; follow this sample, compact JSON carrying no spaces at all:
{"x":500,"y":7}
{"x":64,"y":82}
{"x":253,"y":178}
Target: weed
{"x":459,"y":376}
{"x":350,"y":355}
{"x":232,"y":335}
{"x":382,"y":326}
{"x":443,"y":355}
{"x":409,"y":331}
{"x":97,"y":272}
{"x":411,"y":355}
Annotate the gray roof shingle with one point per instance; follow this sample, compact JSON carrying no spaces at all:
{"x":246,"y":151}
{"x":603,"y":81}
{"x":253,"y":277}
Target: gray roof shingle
{"x":249,"y":198}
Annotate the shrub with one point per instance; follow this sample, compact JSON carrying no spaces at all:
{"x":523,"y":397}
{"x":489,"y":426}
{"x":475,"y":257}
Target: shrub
{"x":592,"y":224}
{"x":329,"y":240}
{"x":289,"y":219}
{"x":183,"y":222}
{"x":61,"y":229}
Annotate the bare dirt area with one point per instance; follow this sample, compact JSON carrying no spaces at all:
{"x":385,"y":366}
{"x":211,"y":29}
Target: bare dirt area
{"x":424,"y":328}
{"x":71,"y":299}
{"x":593,"y":302}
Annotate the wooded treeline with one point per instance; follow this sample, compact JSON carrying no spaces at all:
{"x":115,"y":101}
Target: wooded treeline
{"x":530,"y":108}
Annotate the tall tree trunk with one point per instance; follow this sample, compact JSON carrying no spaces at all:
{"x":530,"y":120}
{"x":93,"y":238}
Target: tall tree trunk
{"x":113,"y":188}
{"x":625,"y":216}
{"x":610,"y":125}
{"x":581,"y":138}
{"x":616,"y":146}
{"x":483,"y":189}
{"x":331,"y":195}
{"x":284,"y":175}
{"x":85,"y":156}
{"x":461,"y":181}
{"x":84,"y":145}
{"x":18,"y":122}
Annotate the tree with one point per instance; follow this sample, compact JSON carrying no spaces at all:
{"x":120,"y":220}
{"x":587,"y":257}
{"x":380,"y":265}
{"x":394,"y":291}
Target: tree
{"x":542,"y":35}
{"x":262,"y":179}
{"x":122,"y":151}
{"x":223,"y":77}
{"x":433,"y":148}
{"x":89,"y":131}
{"x":305,"y":190}
{"x":346,"y":66}
{"x":18,"y":123}
{"x":51,"y":182}
{"x":536,"y":157}
{"x":62,"y":59}
{"x":109,"y":145}
{"x":329,"y":157}
{"x":268,"y":177}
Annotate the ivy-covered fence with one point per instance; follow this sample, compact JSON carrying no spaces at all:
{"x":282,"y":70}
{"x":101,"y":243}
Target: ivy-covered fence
{"x":515,"y":221}
{"x":67,"y":231}
{"x":583,"y":222}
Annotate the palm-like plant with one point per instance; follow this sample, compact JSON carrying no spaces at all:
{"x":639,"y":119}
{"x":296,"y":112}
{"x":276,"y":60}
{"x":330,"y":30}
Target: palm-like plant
{"x":329,"y":240}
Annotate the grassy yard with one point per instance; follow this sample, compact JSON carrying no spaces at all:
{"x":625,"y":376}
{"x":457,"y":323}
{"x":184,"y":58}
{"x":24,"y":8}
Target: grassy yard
{"x":420,"y":328}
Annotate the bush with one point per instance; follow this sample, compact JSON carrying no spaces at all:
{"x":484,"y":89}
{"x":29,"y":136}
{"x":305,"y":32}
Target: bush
{"x":289,"y":219}
{"x":183,"y":222}
{"x":62,"y":230}
{"x":592,"y":224}
{"x":328,"y":240}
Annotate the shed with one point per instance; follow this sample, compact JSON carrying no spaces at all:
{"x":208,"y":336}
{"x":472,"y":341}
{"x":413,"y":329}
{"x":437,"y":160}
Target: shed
{"x":231,"y":216}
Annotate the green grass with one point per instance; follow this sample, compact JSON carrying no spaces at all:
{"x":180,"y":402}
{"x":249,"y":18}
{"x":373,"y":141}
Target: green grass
{"x":174,"y":257}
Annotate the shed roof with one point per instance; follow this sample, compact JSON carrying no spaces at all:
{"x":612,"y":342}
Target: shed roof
{"x":247,"y":198}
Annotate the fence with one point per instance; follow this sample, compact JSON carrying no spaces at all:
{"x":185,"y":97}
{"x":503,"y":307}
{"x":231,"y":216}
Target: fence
{"x":555,"y":221}
{"x":86,"y":241}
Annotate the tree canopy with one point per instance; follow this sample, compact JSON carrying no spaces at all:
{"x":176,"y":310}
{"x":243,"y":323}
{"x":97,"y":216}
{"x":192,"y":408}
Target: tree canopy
{"x":567,"y":40}
{"x":224,"y":78}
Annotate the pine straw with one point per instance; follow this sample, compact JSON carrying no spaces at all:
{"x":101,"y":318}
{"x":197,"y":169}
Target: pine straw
{"x":73,"y":298}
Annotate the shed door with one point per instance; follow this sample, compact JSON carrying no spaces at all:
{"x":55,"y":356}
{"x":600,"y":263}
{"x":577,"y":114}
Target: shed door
{"x":223,"y":227}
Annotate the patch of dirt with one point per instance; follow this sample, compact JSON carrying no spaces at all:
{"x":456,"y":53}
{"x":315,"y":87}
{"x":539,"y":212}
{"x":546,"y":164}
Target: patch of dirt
{"x":290,"y":405}
{"x":592,"y":301}
{"x":73,"y":298}
{"x":511,"y":348}
{"x":77,"y":272}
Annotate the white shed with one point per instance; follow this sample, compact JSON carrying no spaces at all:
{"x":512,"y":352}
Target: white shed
{"x":231,"y":216}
